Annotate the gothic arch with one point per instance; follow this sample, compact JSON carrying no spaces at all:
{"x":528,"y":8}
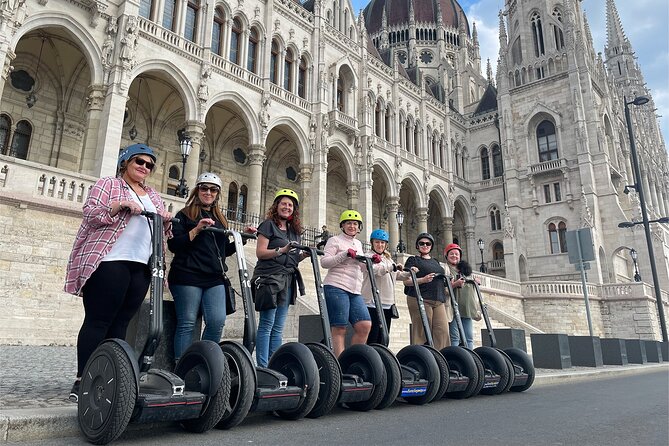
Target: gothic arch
{"x":296,"y":131}
{"x":245,"y":110}
{"x":417,"y":188}
{"x":387,"y":175}
{"x":89,"y":46}
{"x":442,"y":203}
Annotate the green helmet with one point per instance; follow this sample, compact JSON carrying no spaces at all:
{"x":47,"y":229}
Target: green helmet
{"x":287,"y":193}
{"x":350,"y":215}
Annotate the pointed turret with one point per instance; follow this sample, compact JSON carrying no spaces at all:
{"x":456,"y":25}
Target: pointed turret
{"x":384,"y":30}
{"x":488,"y":72}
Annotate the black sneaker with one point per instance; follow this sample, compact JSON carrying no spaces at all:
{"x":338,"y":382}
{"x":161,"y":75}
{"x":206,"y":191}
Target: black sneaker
{"x":74,"y":393}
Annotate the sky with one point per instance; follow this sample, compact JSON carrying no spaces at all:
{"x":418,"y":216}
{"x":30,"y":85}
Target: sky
{"x":645,"y":22}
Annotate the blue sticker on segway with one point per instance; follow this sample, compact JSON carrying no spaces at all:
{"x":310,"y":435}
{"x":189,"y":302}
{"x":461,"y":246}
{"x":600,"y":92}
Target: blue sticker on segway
{"x":413,"y":391}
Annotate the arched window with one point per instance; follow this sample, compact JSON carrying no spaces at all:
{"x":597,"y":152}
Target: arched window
{"x":485,"y":164}
{"x":302,"y":79}
{"x":145,"y":8}
{"x":416,"y":140}
{"x":557,"y":235}
{"x":251,"y":60}
{"x":190,"y":31}
{"x":407,"y":138}
{"x":547,"y":141}
{"x":173,"y":176}
{"x":495,"y":219}
{"x":235,"y":41}
{"x":340,"y":95}
{"x":5,"y":129}
{"x":387,"y":122}
{"x":232,"y":202}
{"x":241,"y":204}
{"x":169,"y":11}
{"x":288,"y":70}
{"x":274,"y":63}
{"x":217,"y":32}
{"x":537,"y":35}
{"x":497,"y":164}
{"x":377,"y":119}
{"x":498,"y":251}
{"x":21,"y":140}
{"x":557,"y":30}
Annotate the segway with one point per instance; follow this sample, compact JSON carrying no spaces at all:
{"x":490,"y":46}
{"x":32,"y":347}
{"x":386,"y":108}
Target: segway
{"x":288,"y":386}
{"x":358,"y":377}
{"x":522,"y":369}
{"x":117,"y":387}
{"x":497,"y":366}
{"x":414,"y":374}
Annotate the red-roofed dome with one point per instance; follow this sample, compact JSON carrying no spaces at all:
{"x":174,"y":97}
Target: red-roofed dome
{"x":425,"y":11}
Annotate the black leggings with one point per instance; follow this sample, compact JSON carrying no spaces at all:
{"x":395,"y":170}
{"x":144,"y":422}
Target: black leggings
{"x":112,"y":296}
{"x":374,"y":336}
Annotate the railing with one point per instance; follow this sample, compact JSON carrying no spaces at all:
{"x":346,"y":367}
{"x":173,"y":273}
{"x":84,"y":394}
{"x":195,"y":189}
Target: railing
{"x":557,"y":289}
{"x":496,"y":265}
{"x":235,"y":71}
{"x":548,"y":166}
{"x":165,"y":36}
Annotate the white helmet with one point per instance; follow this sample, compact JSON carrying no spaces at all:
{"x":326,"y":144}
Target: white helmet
{"x":208,"y":177}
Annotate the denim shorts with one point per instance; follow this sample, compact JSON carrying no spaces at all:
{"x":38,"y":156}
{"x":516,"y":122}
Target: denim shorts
{"x":344,"y":307}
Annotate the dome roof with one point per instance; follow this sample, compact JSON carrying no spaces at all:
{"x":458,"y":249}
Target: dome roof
{"x":397,"y":12}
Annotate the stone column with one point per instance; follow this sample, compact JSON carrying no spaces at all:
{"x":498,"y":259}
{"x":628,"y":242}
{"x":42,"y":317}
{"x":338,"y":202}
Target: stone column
{"x":109,"y":132}
{"x":306,"y":172}
{"x":393,"y":229}
{"x":447,"y":223}
{"x":421,"y":217}
{"x":256,"y":160}
{"x":95,"y":102}
{"x":470,"y":250}
{"x":195,"y":130}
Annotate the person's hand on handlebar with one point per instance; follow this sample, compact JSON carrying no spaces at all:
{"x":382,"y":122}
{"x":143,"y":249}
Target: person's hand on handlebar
{"x":130,"y":206}
{"x":167,"y":216}
{"x":352,"y":253}
{"x":376,"y":258}
{"x":427,"y":279}
{"x":251,"y":230}
{"x":459,"y":282}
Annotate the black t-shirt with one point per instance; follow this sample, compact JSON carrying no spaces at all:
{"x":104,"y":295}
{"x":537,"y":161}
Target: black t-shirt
{"x":196,"y":262}
{"x":432,"y":290}
{"x":284,"y":263}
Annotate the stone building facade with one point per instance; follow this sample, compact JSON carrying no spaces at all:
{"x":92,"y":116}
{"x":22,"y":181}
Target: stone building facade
{"x":382,"y":112}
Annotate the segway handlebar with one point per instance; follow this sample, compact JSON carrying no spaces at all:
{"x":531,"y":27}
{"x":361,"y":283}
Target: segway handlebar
{"x":484,"y":312}
{"x":456,"y":308}
{"x":230,"y":232}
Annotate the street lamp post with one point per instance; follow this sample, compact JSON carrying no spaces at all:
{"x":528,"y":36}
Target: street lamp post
{"x":635,"y":256}
{"x":481,"y":245}
{"x":400,"y":220}
{"x":185,"y":145}
{"x":640,"y":100}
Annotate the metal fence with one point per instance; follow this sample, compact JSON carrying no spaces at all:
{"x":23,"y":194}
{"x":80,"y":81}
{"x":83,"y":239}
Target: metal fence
{"x":238,"y":221}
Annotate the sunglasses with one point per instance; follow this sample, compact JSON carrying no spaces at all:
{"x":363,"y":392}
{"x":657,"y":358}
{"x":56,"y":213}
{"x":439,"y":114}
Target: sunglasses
{"x":424,"y":244}
{"x":212,"y":189}
{"x":142,"y":162}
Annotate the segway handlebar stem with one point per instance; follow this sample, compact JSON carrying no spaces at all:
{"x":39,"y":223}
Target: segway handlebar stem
{"x":320,"y":294}
{"x":456,"y":308}
{"x":421,"y":309}
{"x":484,"y":312}
{"x":385,"y":337}
{"x":250,"y":324}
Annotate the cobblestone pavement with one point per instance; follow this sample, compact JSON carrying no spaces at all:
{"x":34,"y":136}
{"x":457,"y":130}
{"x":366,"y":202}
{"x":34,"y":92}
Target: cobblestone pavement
{"x":36,"y":376}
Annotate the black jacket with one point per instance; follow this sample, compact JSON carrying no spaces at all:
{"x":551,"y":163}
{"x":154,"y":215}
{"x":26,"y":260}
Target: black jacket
{"x":196,"y":262}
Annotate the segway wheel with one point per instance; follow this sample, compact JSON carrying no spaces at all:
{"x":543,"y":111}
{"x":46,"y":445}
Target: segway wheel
{"x":108,"y":392}
{"x":443,"y":372}
{"x":363,"y":361}
{"x":522,"y":359}
{"x":480,"y":369}
{"x":198,"y":366}
{"x":421,"y":359}
{"x":462,"y":361}
{"x":509,"y":367}
{"x":242,"y":385}
{"x":494,"y":361}
{"x":296,"y":362}
{"x":330,"y":377}
{"x":393,"y":373}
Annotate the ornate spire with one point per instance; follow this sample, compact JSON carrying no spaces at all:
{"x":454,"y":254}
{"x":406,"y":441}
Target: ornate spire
{"x":615,"y":35}
{"x":475,"y":35}
{"x":489,"y":72}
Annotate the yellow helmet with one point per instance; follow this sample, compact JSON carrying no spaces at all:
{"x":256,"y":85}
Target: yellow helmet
{"x":350,"y":215}
{"x":287,"y":193}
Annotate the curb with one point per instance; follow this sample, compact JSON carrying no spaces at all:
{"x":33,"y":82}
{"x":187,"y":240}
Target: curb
{"x":57,"y":422}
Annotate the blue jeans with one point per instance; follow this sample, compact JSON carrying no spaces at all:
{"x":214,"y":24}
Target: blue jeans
{"x":468,"y":325}
{"x":188,"y":300}
{"x":270,"y":330}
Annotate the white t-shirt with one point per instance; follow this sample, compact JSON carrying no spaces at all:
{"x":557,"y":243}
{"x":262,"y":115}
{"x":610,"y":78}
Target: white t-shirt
{"x":134,"y":243}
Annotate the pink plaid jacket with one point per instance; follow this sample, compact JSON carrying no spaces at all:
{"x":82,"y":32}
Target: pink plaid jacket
{"x":99,"y":230}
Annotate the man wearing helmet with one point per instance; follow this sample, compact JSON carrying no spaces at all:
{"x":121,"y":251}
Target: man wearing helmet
{"x":343,"y":283}
{"x":108,"y":265}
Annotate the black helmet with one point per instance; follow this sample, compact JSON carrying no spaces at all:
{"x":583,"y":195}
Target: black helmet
{"x":426,"y":235}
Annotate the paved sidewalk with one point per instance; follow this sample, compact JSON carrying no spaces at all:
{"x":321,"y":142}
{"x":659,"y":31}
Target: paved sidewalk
{"x":35,"y":382}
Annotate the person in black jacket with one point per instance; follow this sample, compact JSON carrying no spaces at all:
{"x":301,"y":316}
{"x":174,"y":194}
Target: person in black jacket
{"x":197,"y":272}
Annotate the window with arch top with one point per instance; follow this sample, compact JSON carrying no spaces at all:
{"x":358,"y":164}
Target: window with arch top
{"x":191,"y":26}
{"x":289,"y":61}
{"x":302,"y":78}
{"x":497,"y":163}
{"x":485,"y":164}
{"x":5,"y":129}
{"x":274,"y":63}
{"x":235,"y":41}
{"x":547,"y":141}
{"x":217,"y":32}
{"x":252,"y":57}
{"x":557,"y":236}
{"x":21,"y":140}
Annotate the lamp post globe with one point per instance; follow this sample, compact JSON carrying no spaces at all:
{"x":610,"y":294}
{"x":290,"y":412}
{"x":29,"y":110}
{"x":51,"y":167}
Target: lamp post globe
{"x":481,"y":245}
{"x":185,"y":146}
{"x":400,"y":220}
